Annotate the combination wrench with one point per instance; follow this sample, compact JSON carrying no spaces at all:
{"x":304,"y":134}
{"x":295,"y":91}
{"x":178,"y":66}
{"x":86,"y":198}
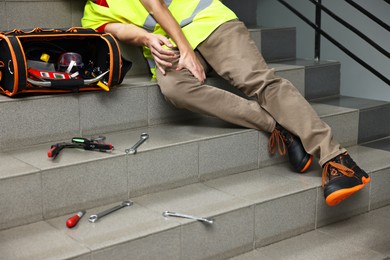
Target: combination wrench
{"x":94,"y":218}
{"x":179,"y":215}
{"x":133,"y":150}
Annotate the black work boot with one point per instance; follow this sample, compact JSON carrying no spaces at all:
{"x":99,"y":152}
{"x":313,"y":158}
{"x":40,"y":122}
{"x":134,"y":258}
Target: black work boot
{"x":298,"y":157}
{"x":341,"y":178}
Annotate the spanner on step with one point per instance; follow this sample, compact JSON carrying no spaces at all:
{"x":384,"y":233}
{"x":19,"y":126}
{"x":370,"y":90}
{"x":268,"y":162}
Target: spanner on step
{"x":94,"y":218}
{"x":133,"y":150}
{"x":179,"y":215}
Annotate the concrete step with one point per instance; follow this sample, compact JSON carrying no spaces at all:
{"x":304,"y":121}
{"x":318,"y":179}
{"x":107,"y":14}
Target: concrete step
{"x":181,"y":153}
{"x":373,"y":115}
{"x":361,"y":237}
{"x":275,"y":44}
{"x":322,"y":78}
{"x":251,"y":209}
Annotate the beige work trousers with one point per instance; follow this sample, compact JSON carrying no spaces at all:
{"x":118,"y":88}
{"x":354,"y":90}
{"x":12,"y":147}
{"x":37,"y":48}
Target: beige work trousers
{"x":231,"y":53}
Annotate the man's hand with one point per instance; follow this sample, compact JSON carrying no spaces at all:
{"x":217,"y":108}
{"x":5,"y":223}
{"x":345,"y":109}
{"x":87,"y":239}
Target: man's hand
{"x":188,"y":59}
{"x":162,"y":56}
{"x":191,"y":62}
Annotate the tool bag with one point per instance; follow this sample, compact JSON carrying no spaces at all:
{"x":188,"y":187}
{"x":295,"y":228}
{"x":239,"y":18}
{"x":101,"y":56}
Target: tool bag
{"x":47,"y":61}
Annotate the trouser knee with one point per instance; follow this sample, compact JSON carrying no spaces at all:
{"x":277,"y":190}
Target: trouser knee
{"x":173,"y":91}
{"x":177,"y":90}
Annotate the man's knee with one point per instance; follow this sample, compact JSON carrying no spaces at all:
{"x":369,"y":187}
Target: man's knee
{"x":169,"y":88}
{"x":176,"y":88}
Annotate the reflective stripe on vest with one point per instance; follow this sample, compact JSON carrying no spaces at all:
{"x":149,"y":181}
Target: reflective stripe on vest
{"x":151,"y":63}
{"x":202,"y":5}
{"x":150,"y":23}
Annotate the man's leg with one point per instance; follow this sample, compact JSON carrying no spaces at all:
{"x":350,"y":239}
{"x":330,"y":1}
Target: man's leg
{"x":234,"y":56}
{"x":231,"y":52}
{"x":183,"y":90}
{"x":238,"y":60}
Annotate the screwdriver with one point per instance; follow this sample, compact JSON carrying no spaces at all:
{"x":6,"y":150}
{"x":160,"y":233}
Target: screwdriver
{"x":72,"y":221}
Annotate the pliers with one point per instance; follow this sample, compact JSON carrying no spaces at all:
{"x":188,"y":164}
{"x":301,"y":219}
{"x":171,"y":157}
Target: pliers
{"x":82,"y":143}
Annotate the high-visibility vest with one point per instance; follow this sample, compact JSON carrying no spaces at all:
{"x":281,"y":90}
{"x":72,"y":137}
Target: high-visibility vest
{"x":197,"y":18}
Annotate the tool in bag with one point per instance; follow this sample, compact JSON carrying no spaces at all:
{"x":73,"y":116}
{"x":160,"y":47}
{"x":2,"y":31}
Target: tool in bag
{"x":96,"y":144}
{"x":59,"y":61}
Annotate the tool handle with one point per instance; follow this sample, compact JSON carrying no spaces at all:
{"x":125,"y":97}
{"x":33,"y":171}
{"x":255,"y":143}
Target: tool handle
{"x":91,"y":145}
{"x":72,"y":221}
{"x":96,"y":217}
{"x":80,"y":140}
{"x":98,"y":146}
{"x":54,"y":150}
{"x":108,"y":211}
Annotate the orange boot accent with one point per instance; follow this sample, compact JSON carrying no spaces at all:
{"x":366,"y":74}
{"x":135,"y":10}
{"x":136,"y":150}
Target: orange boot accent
{"x":338,"y":196}
{"x":307,"y":164}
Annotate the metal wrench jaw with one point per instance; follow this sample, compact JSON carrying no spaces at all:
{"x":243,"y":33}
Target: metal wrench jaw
{"x":133,"y":150}
{"x":174,"y":214}
{"x":93,"y":218}
{"x":127,"y":203}
{"x":207,"y":220}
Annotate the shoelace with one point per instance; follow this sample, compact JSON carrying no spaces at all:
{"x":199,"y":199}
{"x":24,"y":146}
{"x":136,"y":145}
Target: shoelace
{"x":276,"y":137}
{"x":339,"y":167}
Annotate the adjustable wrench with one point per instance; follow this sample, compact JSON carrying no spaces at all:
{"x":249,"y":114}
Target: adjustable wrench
{"x":133,"y":150}
{"x":94,"y":218}
{"x":179,"y":215}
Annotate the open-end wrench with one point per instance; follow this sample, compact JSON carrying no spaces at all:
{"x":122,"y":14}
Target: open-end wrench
{"x":179,"y":215}
{"x":94,"y":218}
{"x":133,"y":150}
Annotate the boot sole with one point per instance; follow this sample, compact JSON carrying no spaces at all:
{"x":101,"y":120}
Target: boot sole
{"x":307,"y":165}
{"x":338,"y":196}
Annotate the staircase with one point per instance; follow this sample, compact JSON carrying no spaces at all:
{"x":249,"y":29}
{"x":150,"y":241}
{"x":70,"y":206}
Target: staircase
{"x":190,"y":164}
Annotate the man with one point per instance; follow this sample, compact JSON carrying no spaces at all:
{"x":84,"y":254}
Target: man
{"x":184,"y":39}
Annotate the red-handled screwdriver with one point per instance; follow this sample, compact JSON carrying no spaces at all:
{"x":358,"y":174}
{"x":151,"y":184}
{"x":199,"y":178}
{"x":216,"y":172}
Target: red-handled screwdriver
{"x":72,"y":221}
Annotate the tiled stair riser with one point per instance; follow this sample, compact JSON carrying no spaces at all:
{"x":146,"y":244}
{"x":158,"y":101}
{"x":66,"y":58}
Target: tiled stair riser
{"x":373,"y":116}
{"x":276,"y":44}
{"x":322,"y":81}
{"x":285,"y":217}
{"x":117,"y":110}
{"x":37,"y":120}
{"x":379,"y":189}
{"x":21,"y":200}
{"x":374,"y":123}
